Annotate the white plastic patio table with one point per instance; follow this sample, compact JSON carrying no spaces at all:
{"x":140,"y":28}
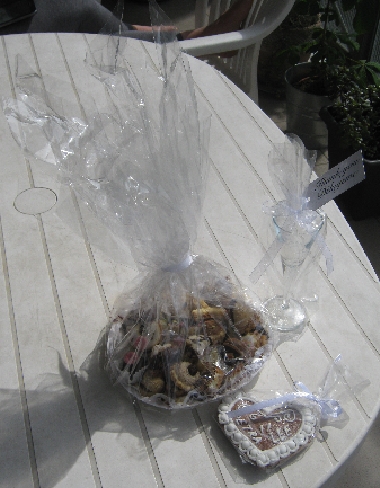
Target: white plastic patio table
{"x":62,"y":422}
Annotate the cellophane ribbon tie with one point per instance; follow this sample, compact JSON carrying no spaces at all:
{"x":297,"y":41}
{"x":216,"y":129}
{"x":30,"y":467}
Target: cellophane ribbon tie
{"x":330,"y":408}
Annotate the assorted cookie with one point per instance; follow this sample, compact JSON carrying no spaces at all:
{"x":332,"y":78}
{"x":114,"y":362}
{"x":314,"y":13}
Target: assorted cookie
{"x":179,"y":359}
{"x":267,"y":437}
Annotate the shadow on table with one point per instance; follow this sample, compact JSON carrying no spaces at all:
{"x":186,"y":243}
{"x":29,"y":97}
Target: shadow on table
{"x":56,"y":439}
{"x":241,"y":473}
{"x":58,"y":436}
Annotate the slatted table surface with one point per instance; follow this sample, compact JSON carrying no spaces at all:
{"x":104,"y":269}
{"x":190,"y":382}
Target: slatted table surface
{"x":62,"y":423}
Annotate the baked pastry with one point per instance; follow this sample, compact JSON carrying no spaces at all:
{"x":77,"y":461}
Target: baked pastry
{"x":268,"y":436}
{"x":182,"y":358}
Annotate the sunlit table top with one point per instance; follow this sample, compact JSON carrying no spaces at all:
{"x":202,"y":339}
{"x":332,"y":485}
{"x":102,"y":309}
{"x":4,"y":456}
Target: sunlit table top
{"x":62,"y":422}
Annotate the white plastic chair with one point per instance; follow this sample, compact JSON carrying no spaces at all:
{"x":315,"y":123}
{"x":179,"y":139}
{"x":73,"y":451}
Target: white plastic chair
{"x":264,"y":17}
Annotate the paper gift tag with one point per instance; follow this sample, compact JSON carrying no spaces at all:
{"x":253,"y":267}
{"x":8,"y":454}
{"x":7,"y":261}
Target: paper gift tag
{"x":335,"y":181}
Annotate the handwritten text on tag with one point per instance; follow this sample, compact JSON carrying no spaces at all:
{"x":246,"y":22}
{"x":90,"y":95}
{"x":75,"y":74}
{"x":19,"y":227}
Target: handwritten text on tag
{"x":336,"y":181}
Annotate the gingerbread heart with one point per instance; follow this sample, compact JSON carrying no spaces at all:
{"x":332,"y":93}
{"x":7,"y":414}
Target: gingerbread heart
{"x":269,"y":436}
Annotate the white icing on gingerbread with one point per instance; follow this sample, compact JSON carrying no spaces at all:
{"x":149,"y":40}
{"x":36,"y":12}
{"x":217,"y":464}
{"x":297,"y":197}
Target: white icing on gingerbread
{"x":284,"y":445}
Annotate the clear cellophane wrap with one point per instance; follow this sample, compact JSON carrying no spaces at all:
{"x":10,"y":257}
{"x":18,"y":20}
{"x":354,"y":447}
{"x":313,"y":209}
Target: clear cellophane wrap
{"x":184,"y":332}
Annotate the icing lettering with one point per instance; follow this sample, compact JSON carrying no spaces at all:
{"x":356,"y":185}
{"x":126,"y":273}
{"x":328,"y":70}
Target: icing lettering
{"x":275,"y":439}
{"x":241,"y":421}
{"x":243,"y":403}
{"x":289,"y":416}
{"x":277,"y":433}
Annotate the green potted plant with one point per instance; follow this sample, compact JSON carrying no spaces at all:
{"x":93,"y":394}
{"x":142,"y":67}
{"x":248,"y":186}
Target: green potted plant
{"x":312,"y":85}
{"x":296,"y":29}
{"x":353,"y":124}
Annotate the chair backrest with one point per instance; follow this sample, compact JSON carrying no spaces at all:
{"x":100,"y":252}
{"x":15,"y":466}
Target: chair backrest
{"x":264,"y":17}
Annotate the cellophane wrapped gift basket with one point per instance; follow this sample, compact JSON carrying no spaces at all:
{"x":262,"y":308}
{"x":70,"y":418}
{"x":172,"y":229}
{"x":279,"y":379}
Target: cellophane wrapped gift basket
{"x":184,"y":331}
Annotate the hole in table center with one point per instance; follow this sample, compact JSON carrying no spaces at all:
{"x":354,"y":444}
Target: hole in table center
{"x":35,"y":200}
